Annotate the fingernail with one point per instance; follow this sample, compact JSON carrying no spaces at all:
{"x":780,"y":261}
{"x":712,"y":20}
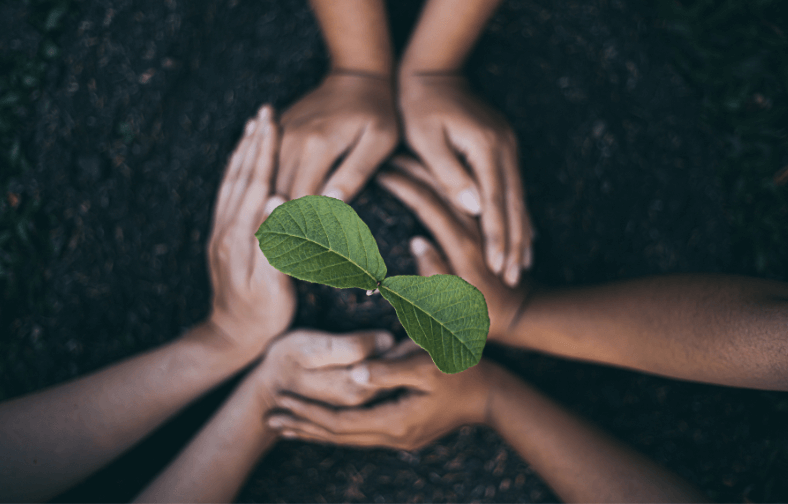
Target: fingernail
{"x":372,"y":291}
{"x":496,"y":261}
{"x":528,"y":258}
{"x":469,"y":198}
{"x":250,"y":126}
{"x":383,"y":341}
{"x":512,"y":274}
{"x":288,"y":434}
{"x":265,"y":113}
{"x":418,"y":246}
{"x":360,"y":374}
{"x":272,"y":203}
{"x":335,"y":193}
{"x":275,"y":423}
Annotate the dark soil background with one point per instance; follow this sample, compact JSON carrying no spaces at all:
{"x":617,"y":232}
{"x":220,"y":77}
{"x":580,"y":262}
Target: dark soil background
{"x":132,"y":108}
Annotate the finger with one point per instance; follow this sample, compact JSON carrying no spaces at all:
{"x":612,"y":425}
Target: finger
{"x":455,"y":241}
{"x":359,"y":165}
{"x":335,"y":385}
{"x":518,"y":223}
{"x":529,"y":231}
{"x":428,"y":260}
{"x":348,"y":421}
{"x":316,"y":161}
{"x":245,"y":174}
{"x":304,"y":427}
{"x":236,"y":160}
{"x":415,"y":170}
{"x":413,"y":371}
{"x":272,"y":204}
{"x":493,"y":218}
{"x":289,"y":158}
{"x":403,"y":348}
{"x":251,"y":208}
{"x":528,"y":254}
{"x":307,"y":431}
{"x":456,"y":183}
{"x":314,"y":349}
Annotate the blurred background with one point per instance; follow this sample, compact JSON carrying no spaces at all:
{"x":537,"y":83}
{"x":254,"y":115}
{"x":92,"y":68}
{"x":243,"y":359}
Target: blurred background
{"x":653,"y":139}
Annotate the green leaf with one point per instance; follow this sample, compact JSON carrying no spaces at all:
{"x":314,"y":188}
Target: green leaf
{"x":321,"y":239}
{"x":443,"y":314}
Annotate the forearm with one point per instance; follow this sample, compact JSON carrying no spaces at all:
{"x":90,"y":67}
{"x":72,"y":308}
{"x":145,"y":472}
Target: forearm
{"x":578,"y":461}
{"x":215,"y":464}
{"x":53,"y":439}
{"x":711,"y":328}
{"x":357,"y":35}
{"x":445,"y":34}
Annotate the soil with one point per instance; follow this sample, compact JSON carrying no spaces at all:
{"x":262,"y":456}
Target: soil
{"x":129,"y":135}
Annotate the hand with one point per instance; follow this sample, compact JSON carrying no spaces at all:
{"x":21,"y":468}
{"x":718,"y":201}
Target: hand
{"x":434,"y":405}
{"x":458,"y":237}
{"x":320,"y":366}
{"x":349,"y":118}
{"x":252,"y":301}
{"x":448,"y":127}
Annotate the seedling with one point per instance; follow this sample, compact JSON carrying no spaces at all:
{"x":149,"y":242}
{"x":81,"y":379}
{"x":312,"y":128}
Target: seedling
{"x":323,"y":240}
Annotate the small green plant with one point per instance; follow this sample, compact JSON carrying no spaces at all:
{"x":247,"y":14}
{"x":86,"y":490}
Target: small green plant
{"x":322,"y":240}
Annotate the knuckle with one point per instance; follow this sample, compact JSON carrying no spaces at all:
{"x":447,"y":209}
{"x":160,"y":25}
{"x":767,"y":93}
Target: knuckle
{"x":355,"y":397}
{"x":466,"y":244}
{"x":223,"y":248}
{"x":400,"y":431}
{"x":315,"y":138}
{"x":493,"y":192}
{"x":383,"y":129}
{"x":486,"y":137}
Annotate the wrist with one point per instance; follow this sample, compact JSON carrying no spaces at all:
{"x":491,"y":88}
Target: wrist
{"x":492,"y":376}
{"x":416,"y":84}
{"x":414,"y":71}
{"x":500,"y":384}
{"x":518,"y":319}
{"x":373,"y":63}
{"x":258,"y":395}
{"x":225,"y":343}
{"x":416,"y":61}
{"x":360,"y":71}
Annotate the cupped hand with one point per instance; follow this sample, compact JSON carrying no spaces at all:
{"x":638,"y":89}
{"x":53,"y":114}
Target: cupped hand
{"x":349,"y":119}
{"x":252,"y":301}
{"x":450,"y":128}
{"x":433,"y":405}
{"x":320,"y":366}
{"x":459,"y":239}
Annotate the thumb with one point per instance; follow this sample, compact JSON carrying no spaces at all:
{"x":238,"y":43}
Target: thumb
{"x":359,"y":165}
{"x":412,"y":371}
{"x":428,"y":260}
{"x":458,"y":185}
{"x":315,"y":349}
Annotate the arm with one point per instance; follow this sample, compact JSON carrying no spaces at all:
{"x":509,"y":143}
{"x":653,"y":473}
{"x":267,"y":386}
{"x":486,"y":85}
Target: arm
{"x":719,"y":329}
{"x":55,"y":438}
{"x":468,"y":147}
{"x":215,"y":464}
{"x":577,"y":460}
{"x":52,"y":439}
{"x":723,"y":329}
{"x":357,"y":35}
{"x":349,"y":119}
{"x":446,"y":32}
